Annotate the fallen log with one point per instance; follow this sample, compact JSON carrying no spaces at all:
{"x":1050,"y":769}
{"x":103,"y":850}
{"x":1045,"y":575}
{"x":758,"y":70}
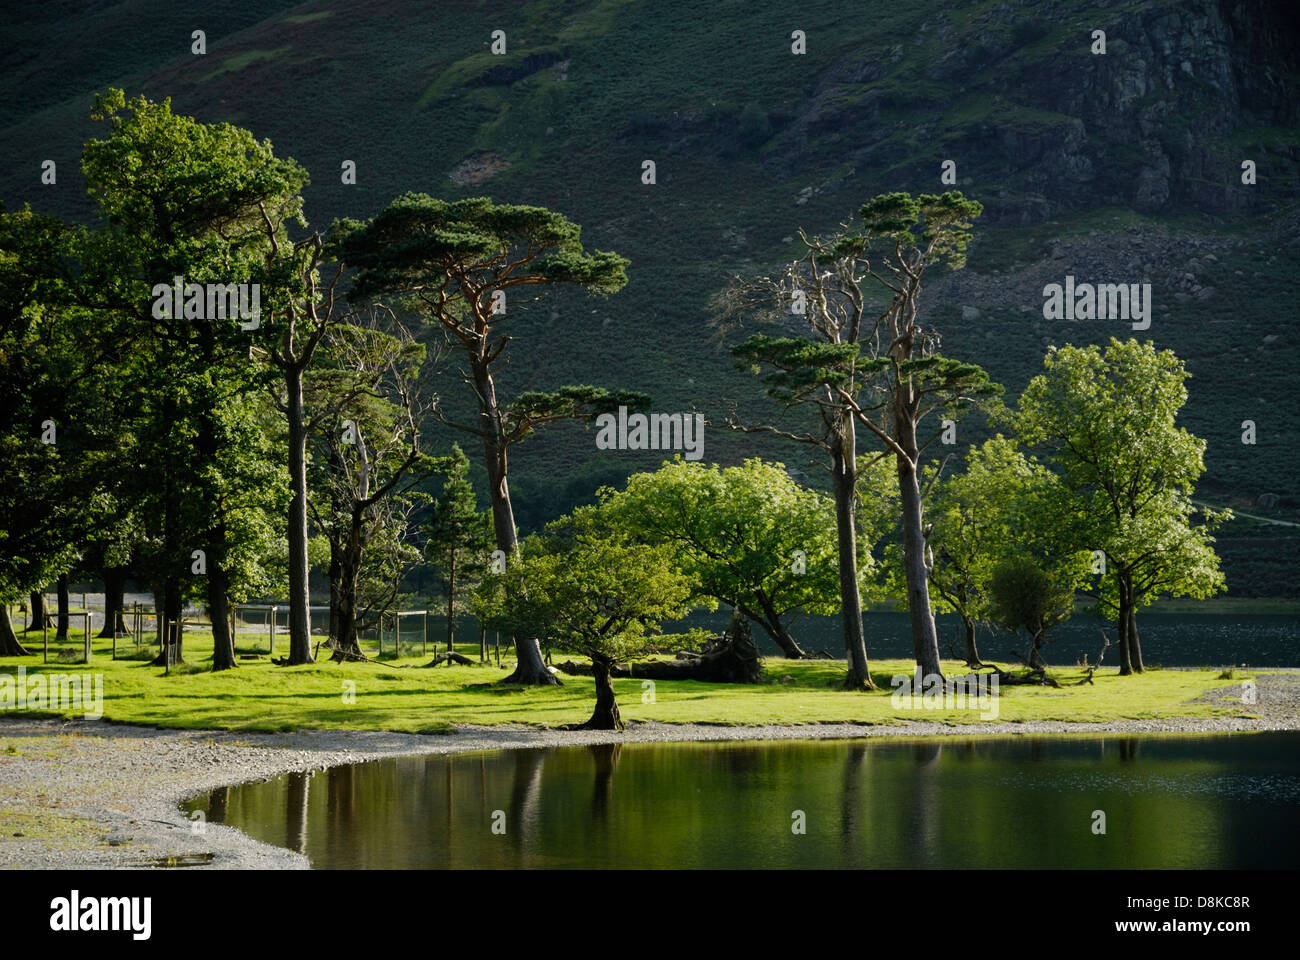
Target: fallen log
{"x":452,"y":658}
{"x":1034,"y":675}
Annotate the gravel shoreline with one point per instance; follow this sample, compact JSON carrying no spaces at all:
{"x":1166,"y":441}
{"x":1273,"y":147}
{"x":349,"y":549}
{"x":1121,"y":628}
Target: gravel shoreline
{"x":95,"y":795}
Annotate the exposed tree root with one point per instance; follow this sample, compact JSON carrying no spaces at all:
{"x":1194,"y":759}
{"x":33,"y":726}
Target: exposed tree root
{"x":724,"y":660}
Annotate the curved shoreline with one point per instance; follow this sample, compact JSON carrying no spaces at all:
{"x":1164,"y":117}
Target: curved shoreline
{"x":106,"y":796}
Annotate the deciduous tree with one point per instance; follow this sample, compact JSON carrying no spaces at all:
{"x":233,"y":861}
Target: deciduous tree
{"x":1107,"y":420}
{"x":585,"y":587}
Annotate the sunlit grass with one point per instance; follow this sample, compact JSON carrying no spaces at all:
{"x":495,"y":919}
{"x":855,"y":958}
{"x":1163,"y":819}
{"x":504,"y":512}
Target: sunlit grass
{"x":398,"y":695}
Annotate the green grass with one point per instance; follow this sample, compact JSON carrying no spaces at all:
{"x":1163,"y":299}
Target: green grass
{"x":57,"y":829}
{"x":397,"y":695}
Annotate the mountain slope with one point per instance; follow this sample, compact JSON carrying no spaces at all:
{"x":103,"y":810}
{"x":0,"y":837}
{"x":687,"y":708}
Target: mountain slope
{"x":1124,"y":167}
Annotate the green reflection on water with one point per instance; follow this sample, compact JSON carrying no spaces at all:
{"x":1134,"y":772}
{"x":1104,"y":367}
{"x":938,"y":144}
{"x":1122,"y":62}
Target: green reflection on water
{"x":1170,"y":802}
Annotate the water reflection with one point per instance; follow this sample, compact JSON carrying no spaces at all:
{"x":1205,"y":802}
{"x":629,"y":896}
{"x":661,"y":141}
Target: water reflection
{"x":605,"y":759}
{"x":219,"y":800}
{"x":1224,"y":801}
{"x":295,"y":811}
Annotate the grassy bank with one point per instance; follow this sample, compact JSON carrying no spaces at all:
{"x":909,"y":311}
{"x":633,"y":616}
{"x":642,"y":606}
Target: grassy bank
{"x":398,"y":695}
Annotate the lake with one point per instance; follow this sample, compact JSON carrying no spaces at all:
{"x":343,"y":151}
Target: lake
{"x":1170,"y":801}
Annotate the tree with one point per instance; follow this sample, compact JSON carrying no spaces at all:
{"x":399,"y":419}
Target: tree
{"x":997,"y":507}
{"x":907,"y":379}
{"x":592,"y":590}
{"x":457,"y":262}
{"x":747,"y":536}
{"x":368,"y":429}
{"x":305,"y":306}
{"x":206,"y":203}
{"x":109,"y":553}
{"x":1025,"y":596}
{"x":457,"y":540}
{"x":1167,"y":550}
{"x":247,"y":491}
{"x":1107,"y":420}
{"x":51,"y":440}
{"x":811,"y":374}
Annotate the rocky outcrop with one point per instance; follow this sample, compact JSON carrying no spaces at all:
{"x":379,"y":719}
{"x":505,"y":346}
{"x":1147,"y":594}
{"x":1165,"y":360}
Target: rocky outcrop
{"x":1160,"y":123}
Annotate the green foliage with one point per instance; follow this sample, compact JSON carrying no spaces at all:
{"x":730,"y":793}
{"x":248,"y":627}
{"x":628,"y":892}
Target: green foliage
{"x":1024,"y":596}
{"x":458,"y":249}
{"x":368,"y":463}
{"x":998,"y":509}
{"x":533,"y":408}
{"x":207,"y":202}
{"x":801,"y":368}
{"x":458,"y":536}
{"x":944,"y":220}
{"x":1107,"y":420}
{"x":748,"y":536}
{"x":188,"y":192}
{"x":584,"y":587}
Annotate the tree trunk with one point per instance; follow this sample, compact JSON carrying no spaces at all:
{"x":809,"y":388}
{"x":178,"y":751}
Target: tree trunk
{"x":451,"y":603}
{"x":159,"y":605}
{"x":175,"y":607}
{"x":223,"y":641}
{"x":1134,"y":644}
{"x":530,"y":668}
{"x":605,"y":758}
{"x":335,"y":574}
{"x":61,"y":585}
{"x":40,"y":616}
{"x":114,"y":601}
{"x":171,"y":612}
{"x":605,"y":716}
{"x":1122,"y":622}
{"x":1035,"y":645}
{"x":772,"y":625}
{"x":9,"y":643}
{"x":348,"y":644}
{"x":299,"y":593}
{"x":844,"y":481}
{"x":925,"y":638}
{"x":972,"y":651}
{"x":175,"y":553}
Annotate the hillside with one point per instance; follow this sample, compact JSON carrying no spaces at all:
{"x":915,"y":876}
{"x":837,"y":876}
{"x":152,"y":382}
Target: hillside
{"x":1117,"y":168}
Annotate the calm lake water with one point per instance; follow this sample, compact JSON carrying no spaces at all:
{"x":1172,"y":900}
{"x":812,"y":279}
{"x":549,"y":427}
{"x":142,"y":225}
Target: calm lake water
{"x":1225,"y":801}
{"x":1170,"y":640}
